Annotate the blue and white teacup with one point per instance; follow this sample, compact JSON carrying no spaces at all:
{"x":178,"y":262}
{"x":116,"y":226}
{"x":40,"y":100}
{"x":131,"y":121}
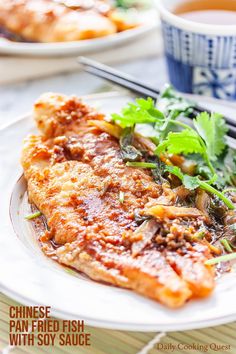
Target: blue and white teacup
{"x":201,"y":58}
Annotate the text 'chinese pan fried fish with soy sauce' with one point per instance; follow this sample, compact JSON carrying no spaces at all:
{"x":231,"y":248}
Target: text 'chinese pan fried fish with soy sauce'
{"x":100,"y":211}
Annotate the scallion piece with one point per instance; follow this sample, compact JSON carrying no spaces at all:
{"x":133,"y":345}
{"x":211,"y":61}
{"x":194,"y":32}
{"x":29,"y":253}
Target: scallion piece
{"x":121,"y":197}
{"x":70,"y":271}
{"x":226,"y":245}
{"x":225,"y":258}
{"x":228,"y":190}
{"x":141,"y":164}
{"x":33,"y":216}
{"x":199,"y":235}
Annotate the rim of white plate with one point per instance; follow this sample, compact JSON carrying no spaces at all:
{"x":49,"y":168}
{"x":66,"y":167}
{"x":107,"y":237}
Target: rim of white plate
{"x":79,"y":47}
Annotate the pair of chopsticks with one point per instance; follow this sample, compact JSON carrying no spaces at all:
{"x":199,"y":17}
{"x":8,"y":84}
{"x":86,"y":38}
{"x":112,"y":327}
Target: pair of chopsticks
{"x":143,"y":90}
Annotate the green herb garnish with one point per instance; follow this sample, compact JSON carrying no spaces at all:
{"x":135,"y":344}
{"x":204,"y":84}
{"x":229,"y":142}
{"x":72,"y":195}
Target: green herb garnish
{"x":141,"y":164}
{"x":212,"y":130}
{"x":142,"y":111}
{"x":172,"y":102}
{"x":192,"y":183}
{"x":70,"y":271}
{"x":225,"y":258}
{"x":172,"y":105}
{"x":204,"y":143}
{"x":226,"y":245}
{"x":208,"y":141}
{"x":160,"y":117}
{"x":228,"y":190}
{"x":33,"y":216}
{"x":199,"y":235}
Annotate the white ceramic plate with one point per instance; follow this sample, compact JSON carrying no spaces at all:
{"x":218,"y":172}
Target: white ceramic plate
{"x":31,"y":278}
{"x":149,"y":20}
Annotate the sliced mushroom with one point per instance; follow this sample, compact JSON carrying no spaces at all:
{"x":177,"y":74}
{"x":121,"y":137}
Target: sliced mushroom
{"x":230,"y":227}
{"x":146,"y":231}
{"x":181,"y":192}
{"x":203,"y":201}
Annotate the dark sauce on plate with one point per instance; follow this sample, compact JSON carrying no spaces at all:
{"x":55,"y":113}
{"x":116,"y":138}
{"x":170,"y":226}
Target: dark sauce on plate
{"x":49,"y":246}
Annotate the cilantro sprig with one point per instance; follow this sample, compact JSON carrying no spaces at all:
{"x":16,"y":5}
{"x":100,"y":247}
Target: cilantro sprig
{"x":160,"y":117}
{"x":208,"y":139}
{"x":142,"y":111}
{"x":212,"y":130}
{"x":205,"y":142}
{"x":194,"y":182}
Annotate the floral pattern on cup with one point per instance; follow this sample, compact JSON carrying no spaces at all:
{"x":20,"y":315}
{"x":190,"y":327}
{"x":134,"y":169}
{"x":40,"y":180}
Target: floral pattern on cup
{"x":218,"y":83}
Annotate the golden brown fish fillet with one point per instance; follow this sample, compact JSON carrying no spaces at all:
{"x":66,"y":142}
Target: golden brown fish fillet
{"x":48,"y":21}
{"x":75,"y":173}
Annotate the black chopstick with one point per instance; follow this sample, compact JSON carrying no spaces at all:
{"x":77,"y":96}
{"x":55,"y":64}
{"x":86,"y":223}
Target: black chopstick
{"x":126,"y":78}
{"x":122,"y":79}
{"x":143,"y":92}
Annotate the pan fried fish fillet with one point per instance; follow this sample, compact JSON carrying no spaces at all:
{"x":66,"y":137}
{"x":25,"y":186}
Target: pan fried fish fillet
{"x":75,"y":174}
{"x":48,"y":21}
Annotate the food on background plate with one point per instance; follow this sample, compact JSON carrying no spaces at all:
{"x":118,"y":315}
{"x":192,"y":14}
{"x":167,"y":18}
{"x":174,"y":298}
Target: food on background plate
{"x":48,"y":21}
{"x":141,"y":200}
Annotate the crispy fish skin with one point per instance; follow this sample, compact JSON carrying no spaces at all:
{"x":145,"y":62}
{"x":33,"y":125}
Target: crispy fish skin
{"x":74,"y":173}
{"x":48,"y":21}
{"x":90,"y":229}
